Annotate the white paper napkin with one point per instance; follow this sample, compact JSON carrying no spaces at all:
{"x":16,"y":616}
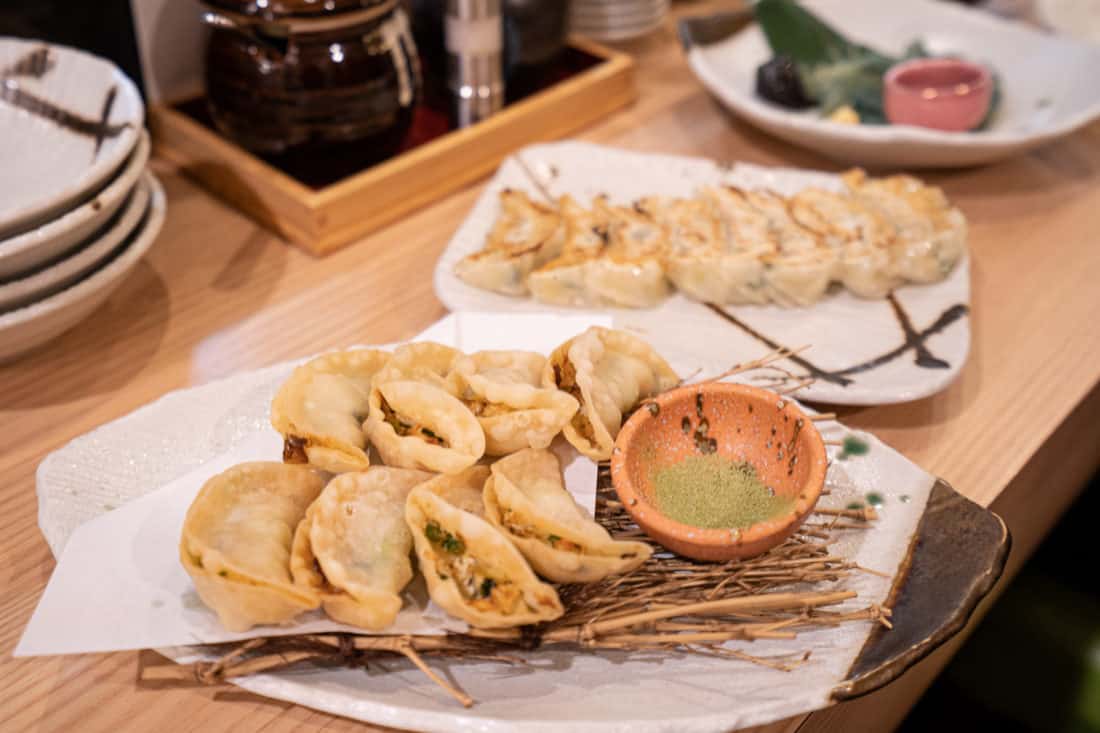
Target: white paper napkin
{"x":119,"y":584}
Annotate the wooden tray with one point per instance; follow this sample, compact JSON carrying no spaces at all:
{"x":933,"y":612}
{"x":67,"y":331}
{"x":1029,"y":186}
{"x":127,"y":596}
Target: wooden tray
{"x":335,"y":211}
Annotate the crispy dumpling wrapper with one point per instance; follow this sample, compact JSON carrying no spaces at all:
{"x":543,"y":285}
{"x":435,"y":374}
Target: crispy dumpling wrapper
{"x":861,"y":237}
{"x":699,"y":261}
{"x":352,"y":549}
{"x":608,"y":372}
{"x":930,"y":232}
{"x":526,"y":498}
{"x":525,"y":236}
{"x":236,"y":542}
{"x":473,"y":572}
{"x":418,"y":425}
{"x":629,"y":273}
{"x":564,"y":279}
{"x":799,"y":272}
{"x":421,"y":361}
{"x":321,"y":407}
{"x":504,"y":391}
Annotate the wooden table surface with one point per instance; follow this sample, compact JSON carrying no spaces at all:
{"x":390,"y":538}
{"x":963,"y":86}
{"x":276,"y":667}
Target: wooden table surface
{"x":1018,"y":431}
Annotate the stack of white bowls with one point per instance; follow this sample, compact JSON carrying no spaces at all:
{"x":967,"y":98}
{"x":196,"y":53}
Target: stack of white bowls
{"x":78,"y":209}
{"x":616,"y":20}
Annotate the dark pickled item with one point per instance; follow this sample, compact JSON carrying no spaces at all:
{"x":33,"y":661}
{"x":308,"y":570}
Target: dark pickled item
{"x":778,"y":81}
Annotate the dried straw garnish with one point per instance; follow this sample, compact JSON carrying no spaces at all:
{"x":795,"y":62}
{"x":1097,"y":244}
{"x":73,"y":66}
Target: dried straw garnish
{"x":670,"y":603}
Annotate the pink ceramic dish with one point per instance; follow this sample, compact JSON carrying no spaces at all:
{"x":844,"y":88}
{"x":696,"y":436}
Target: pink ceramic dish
{"x":746,"y":424}
{"x":942,"y":94}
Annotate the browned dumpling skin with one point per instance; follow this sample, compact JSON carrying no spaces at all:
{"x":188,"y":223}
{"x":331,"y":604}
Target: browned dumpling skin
{"x":321,"y":407}
{"x":608,"y":372}
{"x":472,"y":570}
{"x":526,"y":498}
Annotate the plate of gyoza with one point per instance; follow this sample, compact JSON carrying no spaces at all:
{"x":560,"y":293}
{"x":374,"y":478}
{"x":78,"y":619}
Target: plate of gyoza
{"x":868,"y":276}
{"x":442,"y":495}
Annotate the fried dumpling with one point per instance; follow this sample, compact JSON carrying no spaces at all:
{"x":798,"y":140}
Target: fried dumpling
{"x":236,"y":542}
{"x":799,"y":272}
{"x":607,"y":372}
{"x":352,"y":548}
{"x":930,"y":233}
{"x":320,"y":410}
{"x":629,"y":272}
{"x":698,"y":260}
{"x":526,"y":498}
{"x":420,"y":361}
{"x":504,"y":391}
{"x":525,"y":235}
{"x":473,"y":572}
{"x":462,"y":490}
{"x":861,"y":237}
{"x":563,"y":280}
{"x":419,"y":425}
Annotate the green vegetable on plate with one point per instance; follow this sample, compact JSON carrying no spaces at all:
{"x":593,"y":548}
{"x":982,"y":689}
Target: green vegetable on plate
{"x":836,"y":73}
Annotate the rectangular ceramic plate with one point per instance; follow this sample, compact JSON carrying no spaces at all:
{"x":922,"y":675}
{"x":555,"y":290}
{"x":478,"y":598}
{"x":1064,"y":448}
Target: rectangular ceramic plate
{"x":1045,"y":82}
{"x":584,"y":691}
{"x":861,"y":351}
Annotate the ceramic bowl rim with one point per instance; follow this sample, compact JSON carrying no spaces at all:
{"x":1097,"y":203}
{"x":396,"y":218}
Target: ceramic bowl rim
{"x":634,"y":503}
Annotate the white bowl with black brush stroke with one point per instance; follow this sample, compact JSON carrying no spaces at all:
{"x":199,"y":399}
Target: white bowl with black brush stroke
{"x":69,"y":121}
{"x":25,"y":328}
{"x":56,"y":276}
{"x":26,"y":252}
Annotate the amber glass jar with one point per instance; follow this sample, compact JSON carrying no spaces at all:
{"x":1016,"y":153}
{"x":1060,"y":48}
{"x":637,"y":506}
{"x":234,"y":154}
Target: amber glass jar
{"x":331,"y":78}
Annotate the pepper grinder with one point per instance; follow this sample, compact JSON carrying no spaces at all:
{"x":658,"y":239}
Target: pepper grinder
{"x":474,"y":34}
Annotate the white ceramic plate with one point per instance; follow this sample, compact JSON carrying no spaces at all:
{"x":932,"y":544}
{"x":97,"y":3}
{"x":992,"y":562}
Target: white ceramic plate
{"x":1048,"y":84}
{"x":25,"y":328}
{"x":70,"y":119}
{"x":62,"y":274}
{"x":557,"y":691}
{"x":862,"y":351}
{"x":24,"y":252}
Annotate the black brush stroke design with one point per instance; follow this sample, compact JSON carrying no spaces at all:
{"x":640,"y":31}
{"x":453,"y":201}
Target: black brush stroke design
{"x":915,"y":341}
{"x":38,"y":63}
{"x":811,"y":368}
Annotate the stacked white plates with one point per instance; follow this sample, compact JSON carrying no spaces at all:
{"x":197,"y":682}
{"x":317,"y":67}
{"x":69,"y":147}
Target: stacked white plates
{"x":78,"y":208}
{"x":616,"y":20}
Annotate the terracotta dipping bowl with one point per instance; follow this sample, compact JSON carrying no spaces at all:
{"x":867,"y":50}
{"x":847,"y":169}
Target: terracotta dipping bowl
{"x":746,"y":424}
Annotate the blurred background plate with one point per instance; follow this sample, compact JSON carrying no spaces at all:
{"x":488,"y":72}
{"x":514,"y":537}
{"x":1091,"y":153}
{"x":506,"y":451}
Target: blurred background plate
{"x":23,"y":253}
{"x":70,"y":120}
{"x":1048,"y":83}
{"x":61,"y":274}
{"x":25,"y":328}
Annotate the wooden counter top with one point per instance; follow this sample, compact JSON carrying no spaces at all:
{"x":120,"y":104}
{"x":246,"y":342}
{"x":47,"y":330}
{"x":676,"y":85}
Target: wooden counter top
{"x":1019,"y":430}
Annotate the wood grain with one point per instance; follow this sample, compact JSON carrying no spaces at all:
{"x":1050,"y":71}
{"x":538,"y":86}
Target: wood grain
{"x":217,"y":295}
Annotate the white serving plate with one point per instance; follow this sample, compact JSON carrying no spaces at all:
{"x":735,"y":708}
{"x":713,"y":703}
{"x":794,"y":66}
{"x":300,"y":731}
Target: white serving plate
{"x":62,"y":274}
{"x":24,"y":252}
{"x":49,"y":167}
{"x":842,"y":331}
{"x":25,"y":328}
{"x":558,"y":690}
{"x":1047,"y":82}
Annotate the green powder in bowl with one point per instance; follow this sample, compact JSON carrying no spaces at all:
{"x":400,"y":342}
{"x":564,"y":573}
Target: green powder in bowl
{"x":713,"y":492}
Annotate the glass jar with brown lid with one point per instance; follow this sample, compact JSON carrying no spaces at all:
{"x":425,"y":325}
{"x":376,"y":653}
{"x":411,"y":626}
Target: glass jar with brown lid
{"x":312,"y":78}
